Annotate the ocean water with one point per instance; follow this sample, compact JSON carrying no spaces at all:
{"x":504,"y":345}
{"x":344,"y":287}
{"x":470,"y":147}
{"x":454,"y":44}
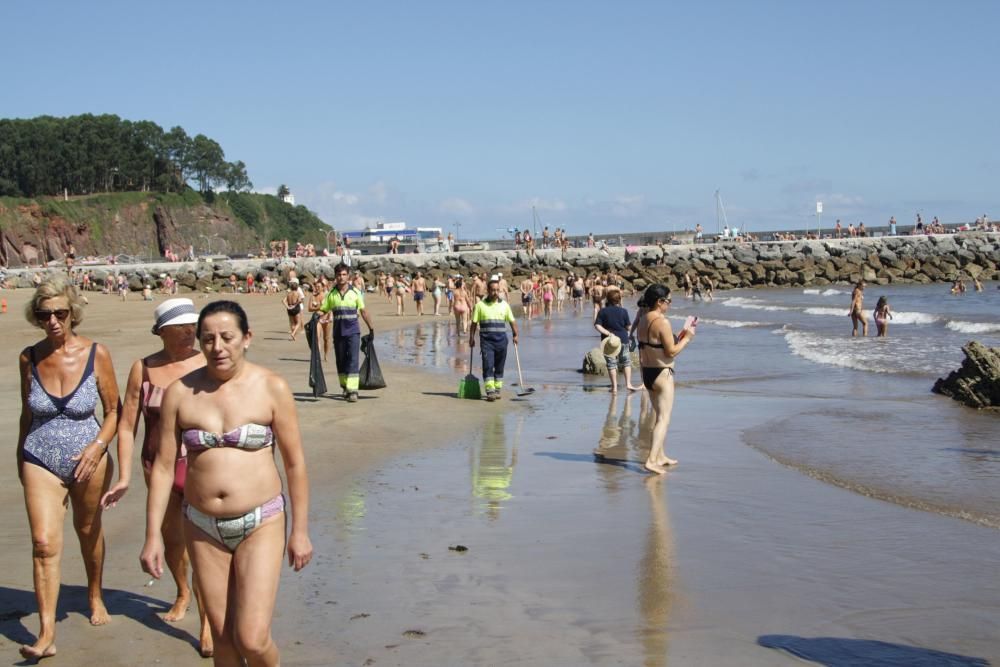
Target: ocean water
{"x":857,"y":413}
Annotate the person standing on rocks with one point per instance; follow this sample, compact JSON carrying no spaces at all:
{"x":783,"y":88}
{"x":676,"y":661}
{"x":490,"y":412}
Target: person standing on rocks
{"x":892,"y":225}
{"x":347,"y":303}
{"x":858,"y":310}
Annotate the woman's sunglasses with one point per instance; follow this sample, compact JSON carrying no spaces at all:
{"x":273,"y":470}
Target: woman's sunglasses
{"x":44,"y":315}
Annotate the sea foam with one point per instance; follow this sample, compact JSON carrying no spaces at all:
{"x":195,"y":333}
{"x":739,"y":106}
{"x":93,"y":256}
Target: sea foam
{"x":973,"y":327}
{"x":752,"y":304}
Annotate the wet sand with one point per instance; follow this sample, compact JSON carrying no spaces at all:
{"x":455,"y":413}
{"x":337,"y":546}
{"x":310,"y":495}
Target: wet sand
{"x":570,"y":560}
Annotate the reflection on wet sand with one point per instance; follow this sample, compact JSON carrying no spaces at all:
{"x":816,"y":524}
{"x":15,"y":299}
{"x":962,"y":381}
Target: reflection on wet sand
{"x":655,"y":576}
{"x":491,"y":473}
{"x":623,"y":438}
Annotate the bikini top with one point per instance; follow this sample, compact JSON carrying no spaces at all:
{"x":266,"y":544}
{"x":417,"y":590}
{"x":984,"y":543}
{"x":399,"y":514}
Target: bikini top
{"x":655,"y":346}
{"x":249,"y":436}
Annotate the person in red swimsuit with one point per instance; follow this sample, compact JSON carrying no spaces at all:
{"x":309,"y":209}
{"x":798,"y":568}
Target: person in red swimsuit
{"x":174,"y":323}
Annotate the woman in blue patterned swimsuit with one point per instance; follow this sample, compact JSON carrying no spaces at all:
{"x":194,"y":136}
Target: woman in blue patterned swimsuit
{"x":61,"y":449}
{"x":231,"y":414}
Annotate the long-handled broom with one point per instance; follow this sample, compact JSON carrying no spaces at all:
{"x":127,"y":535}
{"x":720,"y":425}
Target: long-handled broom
{"x":468,"y":387}
{"x":523,"y":391}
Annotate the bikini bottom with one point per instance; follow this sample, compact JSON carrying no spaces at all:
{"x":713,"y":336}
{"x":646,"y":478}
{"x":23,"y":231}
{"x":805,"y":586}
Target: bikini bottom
{"x":650,"y":373}
{"x":231,"y":531}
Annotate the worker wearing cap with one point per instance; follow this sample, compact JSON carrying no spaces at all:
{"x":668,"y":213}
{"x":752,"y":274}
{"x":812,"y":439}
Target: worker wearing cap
{"x":490,"y":317}
{"x":346,"y":303}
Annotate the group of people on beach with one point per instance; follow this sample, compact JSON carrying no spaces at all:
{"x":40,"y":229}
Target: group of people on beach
{"x":215,"y":501}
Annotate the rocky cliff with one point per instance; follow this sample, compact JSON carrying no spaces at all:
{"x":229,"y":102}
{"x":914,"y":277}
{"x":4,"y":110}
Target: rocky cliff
{"x":144,"y":225}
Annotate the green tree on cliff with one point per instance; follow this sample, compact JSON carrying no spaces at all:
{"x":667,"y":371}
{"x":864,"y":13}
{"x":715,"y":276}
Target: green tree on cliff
{"x":88,"y":154}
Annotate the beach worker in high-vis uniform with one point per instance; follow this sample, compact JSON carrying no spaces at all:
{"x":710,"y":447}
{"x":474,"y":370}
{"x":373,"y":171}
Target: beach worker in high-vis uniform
{"x":346,"y":303}
{"x":490,"y":318}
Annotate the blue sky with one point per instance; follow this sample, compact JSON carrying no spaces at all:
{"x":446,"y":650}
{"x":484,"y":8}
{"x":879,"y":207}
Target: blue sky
{"x":603,"y":116}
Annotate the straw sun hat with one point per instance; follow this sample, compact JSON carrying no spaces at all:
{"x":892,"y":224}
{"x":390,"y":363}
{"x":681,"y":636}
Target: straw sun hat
{"x":611,"y":346}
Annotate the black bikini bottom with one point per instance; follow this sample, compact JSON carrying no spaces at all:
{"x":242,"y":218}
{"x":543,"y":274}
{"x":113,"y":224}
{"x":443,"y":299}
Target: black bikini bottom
{"x":650,"y":373}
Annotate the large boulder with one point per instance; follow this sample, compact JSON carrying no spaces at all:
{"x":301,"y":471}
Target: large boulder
{"x":594,"y":364}
{"x":977,"y":382}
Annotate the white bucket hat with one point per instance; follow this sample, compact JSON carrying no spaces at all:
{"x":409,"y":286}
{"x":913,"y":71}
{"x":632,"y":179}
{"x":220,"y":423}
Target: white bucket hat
{"x":174,"y":311}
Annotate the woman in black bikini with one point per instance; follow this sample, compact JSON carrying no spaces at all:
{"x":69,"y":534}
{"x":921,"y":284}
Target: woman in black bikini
{"x":657,"y":350}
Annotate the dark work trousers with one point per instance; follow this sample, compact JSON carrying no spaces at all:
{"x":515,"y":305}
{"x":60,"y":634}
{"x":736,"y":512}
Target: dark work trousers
{"x":347,"y":349}
{"x":494,"y":356}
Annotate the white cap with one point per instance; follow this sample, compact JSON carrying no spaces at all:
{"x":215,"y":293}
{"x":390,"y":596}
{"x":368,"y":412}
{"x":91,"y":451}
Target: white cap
{"x":174,"y":311}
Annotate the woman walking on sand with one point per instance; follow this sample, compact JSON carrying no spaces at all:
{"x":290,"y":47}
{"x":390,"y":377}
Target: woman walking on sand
{"x":657,"y":351}
{"x":882,"y":315}
{"x":461,"y":306}
{"x":61,"y":447}
{"x":325,"y":321}
{"x":400,"y":293}
{"x":174,"y":322}
{"x":231,"y":414}
{"x":293,"y":306}
{"x":437,"y":292}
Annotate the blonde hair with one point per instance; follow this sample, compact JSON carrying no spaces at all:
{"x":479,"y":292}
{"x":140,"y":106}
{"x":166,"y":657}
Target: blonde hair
{"x":52,"y":288}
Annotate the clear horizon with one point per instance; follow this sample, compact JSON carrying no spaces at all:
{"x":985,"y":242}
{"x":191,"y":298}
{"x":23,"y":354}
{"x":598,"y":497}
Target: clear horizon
{"x":603,"y":117}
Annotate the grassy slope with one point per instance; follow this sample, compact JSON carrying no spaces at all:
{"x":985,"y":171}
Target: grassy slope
{"x":265,"y":216}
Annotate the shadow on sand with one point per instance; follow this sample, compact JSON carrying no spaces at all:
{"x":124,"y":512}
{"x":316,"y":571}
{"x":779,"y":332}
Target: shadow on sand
{"x":18,"y":604}
{"x":634,"y":466}
{"x":841,"y":652}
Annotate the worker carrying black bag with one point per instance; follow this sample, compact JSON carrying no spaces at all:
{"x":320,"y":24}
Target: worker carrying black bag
{"x":370,"y":375}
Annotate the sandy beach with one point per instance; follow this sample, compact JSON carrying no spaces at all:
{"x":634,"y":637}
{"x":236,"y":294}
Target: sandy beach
{"x":732,"y":559}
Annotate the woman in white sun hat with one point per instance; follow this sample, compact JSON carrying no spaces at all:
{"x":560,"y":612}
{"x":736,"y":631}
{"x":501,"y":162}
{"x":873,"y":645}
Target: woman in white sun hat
{"x":174,"y":322}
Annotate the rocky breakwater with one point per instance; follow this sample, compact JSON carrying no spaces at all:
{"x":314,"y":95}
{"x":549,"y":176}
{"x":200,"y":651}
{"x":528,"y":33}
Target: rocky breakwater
{"x":977,"y":382}
{"x":904,"y":259}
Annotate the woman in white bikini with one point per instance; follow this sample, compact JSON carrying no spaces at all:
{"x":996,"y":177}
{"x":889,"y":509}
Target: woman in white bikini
{"x":230,"y":414}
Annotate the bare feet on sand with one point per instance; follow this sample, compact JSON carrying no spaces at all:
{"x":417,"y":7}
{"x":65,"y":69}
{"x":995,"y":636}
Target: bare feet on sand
{"x":98,"y":613}
{"x":41,"y":649}
{"x":205,"y":647}
{"x":660,"y":467}
{"x":639,"y":388}
{"x":177,"y":612}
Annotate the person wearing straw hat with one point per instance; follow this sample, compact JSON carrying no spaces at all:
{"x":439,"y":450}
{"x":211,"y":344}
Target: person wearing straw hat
{"x":174,"y":322}
{"x":490,"y":318}
{"x":613,"y":323}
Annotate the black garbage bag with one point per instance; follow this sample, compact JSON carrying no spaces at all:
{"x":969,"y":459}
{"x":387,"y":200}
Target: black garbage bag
{"x":371,"y":374}
{"x":317,"y":380}
{"x":310,"y":329}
